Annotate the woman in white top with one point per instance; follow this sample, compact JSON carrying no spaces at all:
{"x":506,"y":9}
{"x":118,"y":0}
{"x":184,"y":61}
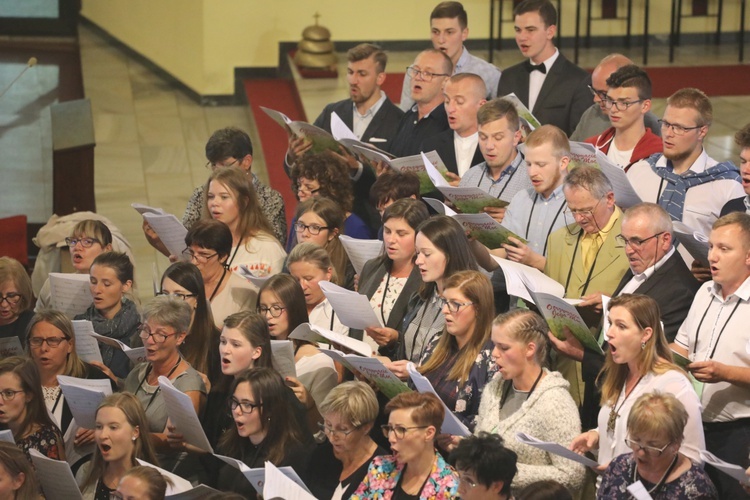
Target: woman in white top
{"x":638,"y":362}
{"x":282,"y":304}
{"x":231,"y":198}
{"x":309,"y":265}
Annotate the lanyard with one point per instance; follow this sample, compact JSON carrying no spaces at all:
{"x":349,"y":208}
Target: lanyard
{"x":510,"y":177}
{"x":697,"y":331}
{"x":549,"y":231}
{"x":572,"y":263}
{"x":419,"y":327}
{"x":148,"y":371}
{"x":508,"y":388}
{"x":385,"y":295}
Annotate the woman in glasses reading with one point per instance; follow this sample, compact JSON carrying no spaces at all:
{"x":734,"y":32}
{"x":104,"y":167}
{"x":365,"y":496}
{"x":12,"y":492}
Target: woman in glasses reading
{"x":16,"y":298}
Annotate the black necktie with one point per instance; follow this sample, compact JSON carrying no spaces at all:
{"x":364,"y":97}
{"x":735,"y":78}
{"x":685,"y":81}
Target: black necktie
{"x":538,"y":67}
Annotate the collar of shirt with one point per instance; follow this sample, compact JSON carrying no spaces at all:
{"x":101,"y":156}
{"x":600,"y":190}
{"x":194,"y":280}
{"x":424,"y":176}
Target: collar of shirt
{"x":699,"y":165}
{"x":462,"y":60}
{"x":746,"y":201}
{"x":650,"y":270}
{"x":373,"y":109}
{"x":604,"y":232}
{"x":556,"y":194}
{"x":415,"y":110}
{"x":468,"y":140}
{"x":548,"y":62}
{"x":508,"y":170}
{"x":742,"y":293}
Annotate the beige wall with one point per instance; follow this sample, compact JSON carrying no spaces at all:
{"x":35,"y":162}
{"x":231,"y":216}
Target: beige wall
{"x":200,"y":42}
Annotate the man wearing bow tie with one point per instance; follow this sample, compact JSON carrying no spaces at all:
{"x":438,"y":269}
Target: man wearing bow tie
{"x":553,"y":88}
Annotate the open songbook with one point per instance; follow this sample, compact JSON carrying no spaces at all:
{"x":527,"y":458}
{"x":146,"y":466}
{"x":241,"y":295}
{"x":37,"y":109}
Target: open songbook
{"x":353,"y":309}
{"x":555,"y":448}
{"x":695,"y":242}
{"x":257,"y":476}
{"x":360,"y":251}
{"x":451,"y":423}
{"x":70,"y":293}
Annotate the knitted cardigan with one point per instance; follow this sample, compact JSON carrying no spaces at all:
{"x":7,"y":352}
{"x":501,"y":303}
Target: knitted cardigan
{"x":550,"y":415}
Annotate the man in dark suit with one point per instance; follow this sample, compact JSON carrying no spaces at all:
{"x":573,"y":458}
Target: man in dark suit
{"x":656,"y":270}
{"x":553,"y":88}
{"x":459,"y":147}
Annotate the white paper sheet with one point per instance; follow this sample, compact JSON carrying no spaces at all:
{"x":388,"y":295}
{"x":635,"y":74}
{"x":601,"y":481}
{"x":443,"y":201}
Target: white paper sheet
{"x":181,"y":412}
{"x":11,"y":346}
{"x":625,"y":195}
{"x":731,"y":470}
{"x":437,"y":179}
{"x":87,"y":347}
{"x":145,"y":209}
{"x":257,"y":476}
{"x":70,"y":293}
{"x":7,"y":436}
{"x":74,"y":453}
{"x":170,"y":230}
{"x":135,"y":354}
{"x":198,"y":492}
{"x":55,"y":477}
{"x":279,"y":485}
{"x":353,"y":309}
{"x":555,"y":448}
{"x":360,"y":251}
{"x":605,"y":317}
{"x":84,"y":396}
{"x":246,"y":273}
{"x":639,"y":491}
{"x":339,"y":130}
{"x":282,"y":352}
{"x":179,"y":484}
{"x":451,"y":423}
{"x":519,"y":279}
{"x":313,"y":333}
{"x":695,"y":242}
{"x":440,"y":207}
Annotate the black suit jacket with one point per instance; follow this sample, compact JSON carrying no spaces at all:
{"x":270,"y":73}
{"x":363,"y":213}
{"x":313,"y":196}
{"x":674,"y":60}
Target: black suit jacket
{"x":673,"y":287}
{"x":383,"y":125}
{"x":443,"y":144}
{"x":564,"y":95}
{"x":735,"y":205}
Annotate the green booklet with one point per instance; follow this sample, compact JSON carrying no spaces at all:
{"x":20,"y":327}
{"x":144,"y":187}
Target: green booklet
{"x":486,"y":230}
{"x":373,"y":370}
{"x":320,"y":139}
{"x":471,"y":200}
{"x":529,"y":122}
{"x":559,"y":315}
{"x":416,"y":165}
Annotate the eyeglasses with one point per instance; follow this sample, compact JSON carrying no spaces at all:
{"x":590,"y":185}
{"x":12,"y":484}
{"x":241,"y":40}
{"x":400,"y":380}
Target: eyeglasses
{"x":588,"y":213}
{"x":677,"y":129}
{"x":144,"y":332}
{"x":213,"y":164}
{"x":464,"y":479}
{"x":308,"y":190}
{"x":453,"y":305}
{"x":601,"y":94}
{"x":275,"y":311}
{"x":619,"y":105}
{"x":651,"y":451}
{"x":176,"y":295}
{"x":246,"y":407}
{"x":12,"y":298}
{"x":37,"y":342}
{"x":188,"y":254}
{"x":85,"y":242}
{"x":634,"y":243}
{"x":399,"y":430}
{"x":9,"y":394}
{"x":314,"y":229}
{"x":425,"y":75}
{"x":335,"y":433}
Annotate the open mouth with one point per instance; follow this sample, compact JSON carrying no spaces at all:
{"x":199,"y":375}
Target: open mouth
{"x":105,"y":448}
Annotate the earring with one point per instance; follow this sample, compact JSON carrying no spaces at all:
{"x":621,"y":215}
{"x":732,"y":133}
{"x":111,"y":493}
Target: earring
{"x":643,"y":346}
{"x":134,"y":438}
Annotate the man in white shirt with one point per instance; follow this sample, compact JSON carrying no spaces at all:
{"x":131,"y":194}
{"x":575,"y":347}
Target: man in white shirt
{"x":459,"y":147}
{"x":716,"y":339}
{"x":449,"y":28}
{"x":684,"y":180}
{"x":742,"y":204}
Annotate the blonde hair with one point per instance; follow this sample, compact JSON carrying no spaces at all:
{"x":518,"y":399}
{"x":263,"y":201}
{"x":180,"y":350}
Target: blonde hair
{"x":658,"y":414}
{"x":549,"y":134}
{"x":353,"y":401}
{"x":527,"y":327}
{"x":694,"y":99}
{"x":315,"y":255}
{"x":12,"y":270}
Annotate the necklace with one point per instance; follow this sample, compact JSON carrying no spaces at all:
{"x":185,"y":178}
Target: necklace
{"x":614,"y":413}
{"x":663,"y":478}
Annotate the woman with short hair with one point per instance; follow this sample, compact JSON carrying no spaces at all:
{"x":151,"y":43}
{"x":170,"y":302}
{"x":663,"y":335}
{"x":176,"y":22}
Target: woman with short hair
{"x":16,"y":299}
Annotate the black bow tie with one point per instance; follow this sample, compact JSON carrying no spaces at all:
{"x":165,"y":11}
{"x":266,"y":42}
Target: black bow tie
{"x":538,"y":67}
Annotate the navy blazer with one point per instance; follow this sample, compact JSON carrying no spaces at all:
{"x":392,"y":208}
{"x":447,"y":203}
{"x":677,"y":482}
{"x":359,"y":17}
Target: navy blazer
{"x":383,"y":125}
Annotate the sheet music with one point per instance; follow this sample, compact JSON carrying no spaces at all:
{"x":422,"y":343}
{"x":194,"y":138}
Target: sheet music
{"x":519,"y":279}
{"x":55,"y":476}
{"x":731,"y":470}
{"x":339,"y":130}
{"x":352,"y":308}
{"x":181,"y":412}
{"x":179,"y":485}
{"x":7,"y":436}
{"x":695,"y":242}
{"x":74,"y":453}
{"x":198,"y":492}
{"x":282,"y":352}
{"x":360,"y":251}
{"x":451,"y":423}
{"x":11,"y":346}
{"x":280,"y":485}
{"x":170,"y":230}
{"x":135,"y":354}
{"x":145,"y":209}
{"x":87,"y":347}
{"x":625,"y":195}
{"x":312,"y":333}
{"x":84,"y":396}
{"x":257,"y":476}
{"x":70,"y":293}
{"x":556,"y":449}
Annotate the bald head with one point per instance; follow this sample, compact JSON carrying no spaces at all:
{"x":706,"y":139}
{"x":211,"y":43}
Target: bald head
{"x":603,"y":70}
{"x":464,"y":94}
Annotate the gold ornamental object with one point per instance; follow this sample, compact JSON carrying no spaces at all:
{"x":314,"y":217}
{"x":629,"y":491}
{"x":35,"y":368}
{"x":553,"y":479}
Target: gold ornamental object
{"x":315,"y":50}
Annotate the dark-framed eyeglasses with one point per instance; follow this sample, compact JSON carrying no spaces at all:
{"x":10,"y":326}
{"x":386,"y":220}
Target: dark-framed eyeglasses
{"x":12,"y":298}
{"x":85,"y":242}
{"x":189,"y":255}
{"x":9,"y":394}
{"x":601,"y":94}
{"x":275,"y":311}
{"x":453,"y":305}
{"x":213,"y":164}
{"x":651,"y":451}
{"x":313,"y":229}
{"x":335,"y":433}
{"x":36,"y":342}
{"x":176,"y":295}
{"x":399,"y":430}
{"x":635,"y":243}
{"x":619,"y":105}
{"x":677,"y":129}
{"x":425,"y":75}
{"x":307,"y":189}
{"x":144,"y":332}
{"x":245,"y":407}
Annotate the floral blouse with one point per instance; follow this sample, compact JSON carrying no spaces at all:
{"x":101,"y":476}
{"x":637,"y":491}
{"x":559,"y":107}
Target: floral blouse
{"x":462,"y":399}
{"x":692,"y":485}
{"x":384,"y":473}
{"x":47,"y":441}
